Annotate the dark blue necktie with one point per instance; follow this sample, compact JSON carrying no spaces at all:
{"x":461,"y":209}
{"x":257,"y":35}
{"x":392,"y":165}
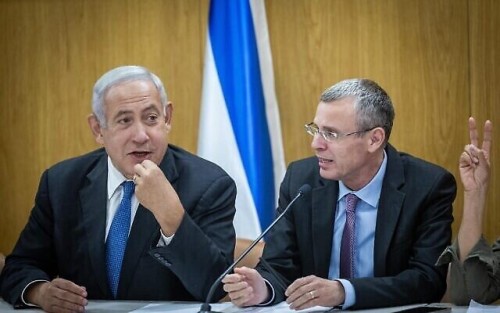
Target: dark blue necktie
{"x":117,"y":237}
{"x":347,"y":246}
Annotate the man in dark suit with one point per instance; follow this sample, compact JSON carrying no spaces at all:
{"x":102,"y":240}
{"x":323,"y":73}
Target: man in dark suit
{"x":179,"y":228}
{"x":373,"y":226}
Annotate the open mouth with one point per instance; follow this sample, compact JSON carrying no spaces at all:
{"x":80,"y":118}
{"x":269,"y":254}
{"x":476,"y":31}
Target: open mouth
{"x":140,"y":154}
{"x":323,"y":160}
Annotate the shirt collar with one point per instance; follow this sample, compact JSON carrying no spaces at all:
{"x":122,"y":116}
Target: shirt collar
{"x":371,"y":192}
{"x":115,"y":178}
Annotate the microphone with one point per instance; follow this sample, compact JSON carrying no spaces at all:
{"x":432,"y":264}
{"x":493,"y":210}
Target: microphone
{"x":205,"y":307}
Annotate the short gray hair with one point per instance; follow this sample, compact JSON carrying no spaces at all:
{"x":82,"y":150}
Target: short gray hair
{"x":372,"y":104}
{"x":119,"y":75}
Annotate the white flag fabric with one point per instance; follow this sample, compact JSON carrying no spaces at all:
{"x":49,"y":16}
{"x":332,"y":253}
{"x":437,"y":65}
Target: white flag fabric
{"x":239,"y":124}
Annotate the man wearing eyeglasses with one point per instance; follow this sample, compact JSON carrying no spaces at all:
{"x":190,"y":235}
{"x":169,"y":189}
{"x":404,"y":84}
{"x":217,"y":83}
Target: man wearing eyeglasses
{"x":373,"y":226}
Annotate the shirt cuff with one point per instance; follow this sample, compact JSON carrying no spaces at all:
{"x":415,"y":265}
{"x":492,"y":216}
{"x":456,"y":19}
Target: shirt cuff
{"x":350,"y":294}
{"x":26,"y":288}
{"x":483,"y":252}
{"x":450,"y":254}
{"x":164,"y":240}
{"x":271,"y":289}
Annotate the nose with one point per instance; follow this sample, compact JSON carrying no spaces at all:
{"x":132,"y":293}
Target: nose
{"x":318,"y":142}
{"x":140,"y":133}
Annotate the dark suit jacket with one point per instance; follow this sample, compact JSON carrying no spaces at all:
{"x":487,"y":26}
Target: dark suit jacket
{"x":413,"y":227}
{"x":66,"y":230}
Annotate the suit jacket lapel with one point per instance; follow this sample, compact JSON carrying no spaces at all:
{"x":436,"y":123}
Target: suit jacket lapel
{"x":389,"y":209}
{"x":144,"y":234}
{"x":145,"y":231}
{"x":93,"y":198}
{"x":323,"y":212}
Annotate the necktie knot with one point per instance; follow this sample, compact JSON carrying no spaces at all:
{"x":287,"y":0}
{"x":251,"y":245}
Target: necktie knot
{"x":351,"y":201}
{"x":128,"y":189}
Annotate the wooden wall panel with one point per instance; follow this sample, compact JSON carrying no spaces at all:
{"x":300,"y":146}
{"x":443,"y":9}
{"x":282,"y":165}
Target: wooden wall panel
{"x":399,"y":44}
{"x":485,"y":93}
{"x":436,"y":58}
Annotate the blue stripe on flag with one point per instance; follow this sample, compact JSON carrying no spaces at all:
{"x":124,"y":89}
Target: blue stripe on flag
{"x":234,"y":48}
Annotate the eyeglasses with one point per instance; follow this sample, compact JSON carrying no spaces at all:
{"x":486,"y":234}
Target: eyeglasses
{"x":313,"y":129}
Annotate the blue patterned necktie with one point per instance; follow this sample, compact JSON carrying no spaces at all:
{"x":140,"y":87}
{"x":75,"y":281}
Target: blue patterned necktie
{"x":118,"y":235}
{"x":347,"y":245}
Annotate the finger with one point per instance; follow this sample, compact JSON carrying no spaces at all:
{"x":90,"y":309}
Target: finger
{"x":298,"y":296}
{"x":241,"y":297}
{"x":303,"y":301}
{"x":232,"y":278}
{"x":68,"y":300}
{"x":298,"y":283}
{"x":246,"y":272}
{"x":482,"y":158}
{"x":240,"y":301}
{"x":69,"y":286}
{"x":308,"y":304}
{"x":234,"y":287}
{"x":140,"y":170}
{"x":473,"y":131}
{"x":135,"y":179}
{"x":148,"y":164}
{"x":465,"y":160}
{"x":469,"y":148}
{"x":303,"y":292}
{"x":473,"y":153}
{"x":240,"y":293}
{"x":487,"y":137}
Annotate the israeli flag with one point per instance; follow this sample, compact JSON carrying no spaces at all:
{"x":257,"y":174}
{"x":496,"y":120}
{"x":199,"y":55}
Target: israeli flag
{"x":239,"y":123}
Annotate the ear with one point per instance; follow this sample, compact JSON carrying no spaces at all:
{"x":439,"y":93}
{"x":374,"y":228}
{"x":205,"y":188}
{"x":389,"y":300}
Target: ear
{"x":376,"y":139}
{"x":95,"y":127}
{"x":168,"y":115}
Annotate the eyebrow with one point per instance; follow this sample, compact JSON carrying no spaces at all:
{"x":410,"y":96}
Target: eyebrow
{"x":327,"y":128}
{"x":122,"y":113}
{"x":151,"y":107}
